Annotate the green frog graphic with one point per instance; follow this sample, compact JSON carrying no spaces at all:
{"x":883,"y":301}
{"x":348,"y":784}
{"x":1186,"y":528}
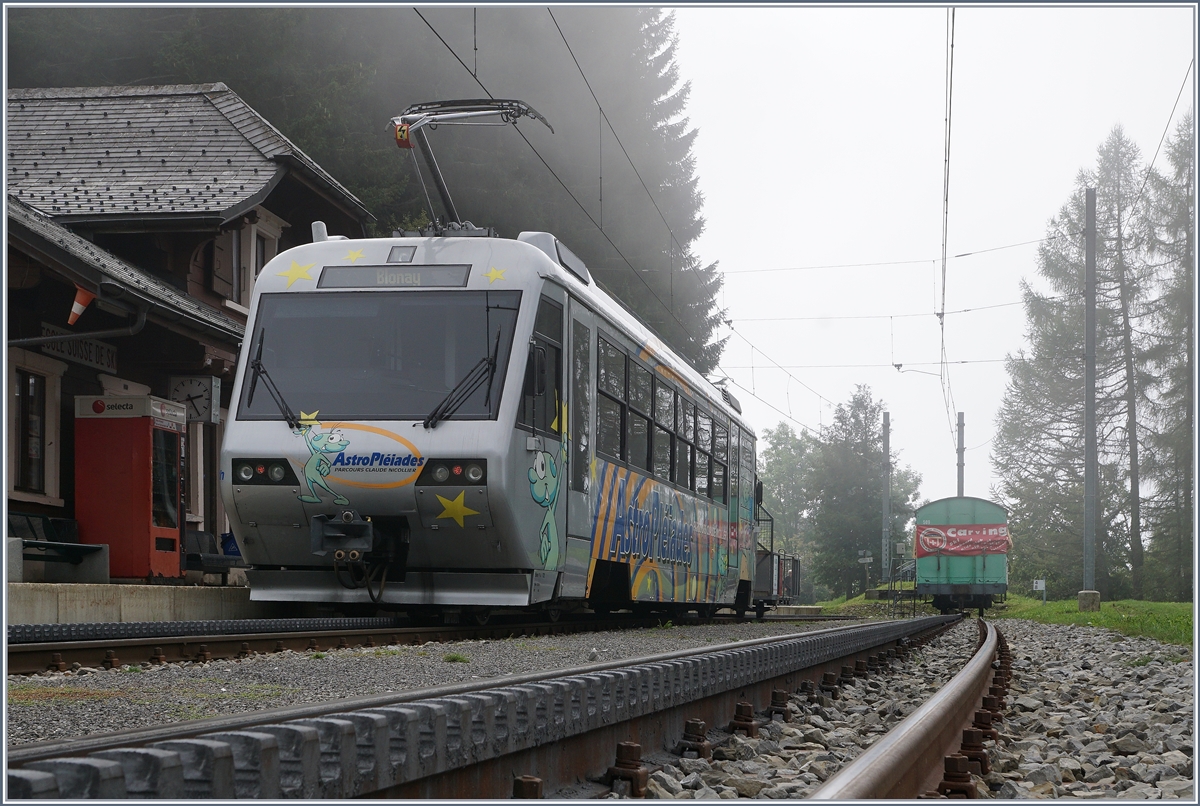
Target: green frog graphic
{"x":320,"y":447}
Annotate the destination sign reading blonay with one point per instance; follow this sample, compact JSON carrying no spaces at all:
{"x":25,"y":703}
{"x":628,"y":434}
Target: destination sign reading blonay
{"x":394,"y":276}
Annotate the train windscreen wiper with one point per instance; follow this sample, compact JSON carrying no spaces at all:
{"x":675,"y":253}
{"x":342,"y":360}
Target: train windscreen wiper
{"x":256,"y":365}
{"x":462,"y":391}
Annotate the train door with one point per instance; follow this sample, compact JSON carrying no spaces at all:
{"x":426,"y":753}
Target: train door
{"x":542,"y":411}
{"x":581,"y":349}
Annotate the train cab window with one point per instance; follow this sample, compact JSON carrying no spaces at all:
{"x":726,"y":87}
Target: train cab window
{"x":540,"y":400}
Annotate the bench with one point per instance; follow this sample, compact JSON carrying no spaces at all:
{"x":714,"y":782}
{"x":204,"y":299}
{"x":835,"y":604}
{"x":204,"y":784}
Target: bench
{"x":44,"y":539}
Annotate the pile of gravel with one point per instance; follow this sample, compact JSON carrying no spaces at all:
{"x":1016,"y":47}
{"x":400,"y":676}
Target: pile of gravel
{"x":57,"y":705}
{"x":1090,"y":714}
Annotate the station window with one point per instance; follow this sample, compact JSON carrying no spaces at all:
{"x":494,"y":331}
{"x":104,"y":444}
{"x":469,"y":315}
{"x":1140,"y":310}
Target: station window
{"x":31,"y":432}
{"x":35,"y":393}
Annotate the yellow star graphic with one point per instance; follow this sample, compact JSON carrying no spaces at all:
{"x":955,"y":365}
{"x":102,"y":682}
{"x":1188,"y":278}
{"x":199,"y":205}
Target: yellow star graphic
{"x":455,"y":509}
{"x":354,"y":256}
{"x":309,"y":419}
{"x":495,"y":274}
{"x":296,"y":272}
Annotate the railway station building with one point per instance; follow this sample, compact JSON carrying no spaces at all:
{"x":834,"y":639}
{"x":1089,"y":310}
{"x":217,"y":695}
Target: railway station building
{"x":138,"y":218}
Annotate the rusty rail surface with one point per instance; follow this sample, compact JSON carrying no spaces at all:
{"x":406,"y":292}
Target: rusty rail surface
{"x":908,"y":760}
{"x":460,"y":741}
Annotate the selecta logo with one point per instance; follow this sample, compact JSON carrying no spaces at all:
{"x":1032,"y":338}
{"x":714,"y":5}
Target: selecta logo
{"x":99,"y":406}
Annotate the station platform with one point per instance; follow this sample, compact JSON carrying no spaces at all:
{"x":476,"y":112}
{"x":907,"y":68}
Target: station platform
{"x":79,"y":603}
{"x":797,"y":610}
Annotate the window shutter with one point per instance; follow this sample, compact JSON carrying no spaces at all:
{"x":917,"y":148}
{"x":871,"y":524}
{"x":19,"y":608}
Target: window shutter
{"x":220,"y":267}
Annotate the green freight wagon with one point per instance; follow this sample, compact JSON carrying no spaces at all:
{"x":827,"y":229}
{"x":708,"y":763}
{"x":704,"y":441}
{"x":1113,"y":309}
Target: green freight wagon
{"x":961,"y":546}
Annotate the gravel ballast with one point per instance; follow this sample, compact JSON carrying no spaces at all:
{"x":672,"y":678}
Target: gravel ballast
{"x":58,"y":705}
{"x":1090,"y":714}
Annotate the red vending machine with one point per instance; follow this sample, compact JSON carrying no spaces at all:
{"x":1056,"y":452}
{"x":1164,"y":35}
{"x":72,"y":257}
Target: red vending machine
{"x":128,"y":491}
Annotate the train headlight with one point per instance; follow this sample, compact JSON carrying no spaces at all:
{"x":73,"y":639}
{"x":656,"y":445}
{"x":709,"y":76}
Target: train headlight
{"x":441,"y":473}
{"x":244,"y":472}
{"x":474,"y":474}
{"x":276,"y":473}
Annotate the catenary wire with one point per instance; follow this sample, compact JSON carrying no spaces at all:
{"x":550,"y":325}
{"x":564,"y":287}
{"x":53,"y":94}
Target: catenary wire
{"x":617,"y":249}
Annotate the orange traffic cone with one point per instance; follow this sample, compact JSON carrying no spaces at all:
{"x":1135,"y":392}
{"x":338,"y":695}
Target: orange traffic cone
{"x":82,"y":300}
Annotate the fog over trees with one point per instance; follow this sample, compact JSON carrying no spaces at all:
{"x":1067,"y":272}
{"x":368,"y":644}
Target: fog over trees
{"x":1144,"y":369}
{"x":331,"y":78}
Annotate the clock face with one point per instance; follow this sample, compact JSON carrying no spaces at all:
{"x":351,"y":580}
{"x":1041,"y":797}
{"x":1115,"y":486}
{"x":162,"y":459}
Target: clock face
{"x":196,"y":396}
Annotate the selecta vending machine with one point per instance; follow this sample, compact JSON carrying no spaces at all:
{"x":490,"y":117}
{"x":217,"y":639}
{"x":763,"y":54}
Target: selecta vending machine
{"x":128,"y":490}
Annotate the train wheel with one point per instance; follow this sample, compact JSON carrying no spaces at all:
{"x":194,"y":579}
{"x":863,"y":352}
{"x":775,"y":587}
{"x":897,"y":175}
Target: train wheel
{"x":554,"y":614}
{"x":481,"y":617}
{"x":760,"y":610}
{"x":740,"y":612}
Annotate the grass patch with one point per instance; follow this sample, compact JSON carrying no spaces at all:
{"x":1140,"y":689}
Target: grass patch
{"x":318,"y":655}
{"x":1168,"y":622}
{"x":454,"y":657}
{"x":379,"y":653}
{"x":133,"y":670}
{"x":56,"y":695}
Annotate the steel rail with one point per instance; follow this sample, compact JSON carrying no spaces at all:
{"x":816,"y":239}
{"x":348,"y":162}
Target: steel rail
{"x":907,"y":761}
{"x":28,"y":657}
{"x":78,"y":746}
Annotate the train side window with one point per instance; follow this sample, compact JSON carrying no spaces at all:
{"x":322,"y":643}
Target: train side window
{"x":542,"y":394}
{"x":608,"y":426}
{"x":664,"y":405}
{"x":702,"y":487}
{"x":683,"y":465}
{"x":662,"y":453}
{"x":685,"y":417}
{"x":639,"y":388}
{"x":733,"y":469}
{"x":581,"y":415}
{"x":718,"y":482}
{"x":639,"y":440}
{"x":721,"y":443}
{"x":641,"y":404}
{"x":611,"y":370}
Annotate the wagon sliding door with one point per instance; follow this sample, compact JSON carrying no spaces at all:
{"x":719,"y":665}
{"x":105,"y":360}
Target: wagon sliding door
{"x":581,"y":364}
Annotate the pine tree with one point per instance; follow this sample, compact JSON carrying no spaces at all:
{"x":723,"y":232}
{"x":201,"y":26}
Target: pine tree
{"x":331,"y":78}
{"x":1038,"y":453}
{"x":1171,"y":357}
{"x":847,"y":492}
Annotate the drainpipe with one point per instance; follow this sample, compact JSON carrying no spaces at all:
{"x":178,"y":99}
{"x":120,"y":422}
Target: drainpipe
{"x":131,"y":330}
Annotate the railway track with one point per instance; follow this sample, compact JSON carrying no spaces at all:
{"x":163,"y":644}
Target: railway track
{"x":37,"y":648}
{"x":467,"y":740}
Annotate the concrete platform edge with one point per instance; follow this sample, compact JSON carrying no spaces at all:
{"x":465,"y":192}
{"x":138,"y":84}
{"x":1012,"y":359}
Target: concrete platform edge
{"x":50,"y":603}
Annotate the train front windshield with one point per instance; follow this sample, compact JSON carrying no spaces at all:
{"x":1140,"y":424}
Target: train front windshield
{"x":386,"y":355}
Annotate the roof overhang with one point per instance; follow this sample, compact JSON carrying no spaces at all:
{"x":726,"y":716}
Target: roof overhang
{"x":77,"y":260}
